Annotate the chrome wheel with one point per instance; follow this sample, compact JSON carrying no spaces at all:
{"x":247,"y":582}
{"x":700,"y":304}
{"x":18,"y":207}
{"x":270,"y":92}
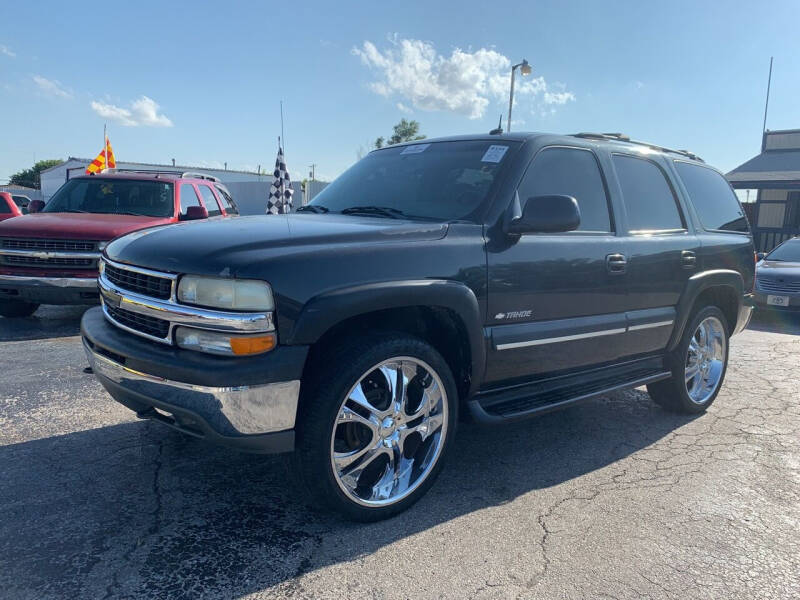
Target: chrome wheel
{"x":389,"y":431}
{"x":705,"y":360}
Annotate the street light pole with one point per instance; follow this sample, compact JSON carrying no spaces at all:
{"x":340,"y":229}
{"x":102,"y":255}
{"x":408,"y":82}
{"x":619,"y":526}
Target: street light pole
{"x":525,"y":70}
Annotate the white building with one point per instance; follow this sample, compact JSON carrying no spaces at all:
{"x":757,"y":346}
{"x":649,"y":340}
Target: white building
{"x":250,"y":190}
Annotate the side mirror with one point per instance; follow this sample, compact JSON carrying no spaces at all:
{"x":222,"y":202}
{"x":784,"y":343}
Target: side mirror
{"x":760,"y":255}
{"x":194,"y":213}
{"x":545,"y":214}
{"x":35,"y":206}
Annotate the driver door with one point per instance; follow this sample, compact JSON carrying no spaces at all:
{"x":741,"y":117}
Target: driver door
{"x":557,"y":300}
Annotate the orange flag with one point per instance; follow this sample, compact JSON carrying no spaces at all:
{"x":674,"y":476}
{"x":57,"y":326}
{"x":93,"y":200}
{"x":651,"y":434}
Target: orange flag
{"x":99,"y":163}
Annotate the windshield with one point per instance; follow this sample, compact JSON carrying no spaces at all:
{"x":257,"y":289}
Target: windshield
{"x":443,"y":181}
{"x":787,"y":252}
{"x":113,"y":196}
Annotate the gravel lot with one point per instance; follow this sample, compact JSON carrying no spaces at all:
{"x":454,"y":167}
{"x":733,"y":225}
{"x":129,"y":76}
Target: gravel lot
{"x":612,"y":499}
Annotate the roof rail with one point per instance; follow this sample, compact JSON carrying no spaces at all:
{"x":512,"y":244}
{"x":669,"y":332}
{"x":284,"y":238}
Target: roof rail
{"x":153,"y":172}
{"x":621,"y":137}
{"x":201,"y":176}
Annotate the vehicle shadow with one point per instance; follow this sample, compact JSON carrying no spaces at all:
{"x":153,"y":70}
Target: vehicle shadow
{"x":46,"y":323}
{"x":136,"y":509}
{"x":775,"y":322}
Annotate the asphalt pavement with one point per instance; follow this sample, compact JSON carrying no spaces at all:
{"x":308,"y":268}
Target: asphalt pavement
{"x":612,"y":499}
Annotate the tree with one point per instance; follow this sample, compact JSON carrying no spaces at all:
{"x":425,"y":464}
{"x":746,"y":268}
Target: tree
{"x":404,"y":131}
{"x":30,"y":177}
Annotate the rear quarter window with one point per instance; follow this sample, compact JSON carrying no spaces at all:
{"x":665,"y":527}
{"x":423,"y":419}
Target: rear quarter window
{"x":713,"y":199}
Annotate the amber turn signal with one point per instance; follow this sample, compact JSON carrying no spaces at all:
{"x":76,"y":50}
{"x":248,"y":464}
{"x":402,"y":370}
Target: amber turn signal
{"x":253,"y":345}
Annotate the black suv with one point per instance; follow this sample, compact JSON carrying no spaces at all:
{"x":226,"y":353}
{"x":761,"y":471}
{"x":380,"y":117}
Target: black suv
{"x":492,"y":277}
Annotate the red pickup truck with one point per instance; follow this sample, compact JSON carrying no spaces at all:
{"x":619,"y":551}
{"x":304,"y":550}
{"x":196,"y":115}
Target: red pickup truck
{"x":50,"y":256}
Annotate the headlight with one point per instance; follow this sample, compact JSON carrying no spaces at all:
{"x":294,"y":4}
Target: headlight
{"x":230,"y":294}
{"x":226,"y":344}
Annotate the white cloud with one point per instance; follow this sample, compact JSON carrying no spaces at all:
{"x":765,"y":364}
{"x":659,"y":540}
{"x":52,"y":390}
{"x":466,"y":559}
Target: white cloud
{"x":403,"y":108}
{"x":558,"y":97}
{"x":7,"y":51}
{"x":51,"y":87}
{"x":464,"y":82}
{"x":142,"y":112}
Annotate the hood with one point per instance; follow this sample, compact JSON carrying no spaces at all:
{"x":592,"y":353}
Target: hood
{"x":778,"y":269}
{"x":226,"y":246}
{"x":80,"y":226}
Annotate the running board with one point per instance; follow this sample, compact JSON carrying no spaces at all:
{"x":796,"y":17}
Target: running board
{"x":538,"y":398}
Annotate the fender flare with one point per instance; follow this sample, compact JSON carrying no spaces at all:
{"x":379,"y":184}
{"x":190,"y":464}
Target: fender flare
{"x":697,"y":284}
{"x":330,"y":308}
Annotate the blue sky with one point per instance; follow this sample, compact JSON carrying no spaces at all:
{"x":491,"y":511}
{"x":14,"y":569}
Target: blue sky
{"x":202,"y":82}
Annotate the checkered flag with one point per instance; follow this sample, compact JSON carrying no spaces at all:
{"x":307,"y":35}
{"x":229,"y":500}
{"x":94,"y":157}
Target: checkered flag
{"x":280,"y":192}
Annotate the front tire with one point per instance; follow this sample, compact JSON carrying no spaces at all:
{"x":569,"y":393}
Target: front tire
{"x":17,"y":308}
{"x":375,"y":426}
{"x":698,"y":365}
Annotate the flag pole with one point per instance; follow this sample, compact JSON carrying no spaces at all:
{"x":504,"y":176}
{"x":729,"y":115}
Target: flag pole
{"x":282,"y":136}
{"x":105,"y":144}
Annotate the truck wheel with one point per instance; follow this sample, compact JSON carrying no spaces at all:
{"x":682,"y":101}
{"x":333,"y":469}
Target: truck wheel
{"x":375,"y":426}
{"x":698,"y":365}
{"x":17,"y":308}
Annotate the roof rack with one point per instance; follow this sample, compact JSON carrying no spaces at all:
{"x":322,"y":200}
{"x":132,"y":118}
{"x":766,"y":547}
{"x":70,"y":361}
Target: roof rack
{"x":156,"y":173}
{"x":201,"y":176}
{"x":621,"y":137}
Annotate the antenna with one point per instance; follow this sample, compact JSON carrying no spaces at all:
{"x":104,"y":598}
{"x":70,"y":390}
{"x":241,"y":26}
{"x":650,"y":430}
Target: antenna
{"x":766,"y":104}
{"x":499,"y":128}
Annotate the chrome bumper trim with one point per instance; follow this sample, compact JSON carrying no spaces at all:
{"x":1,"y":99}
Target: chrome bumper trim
{"x":44,"y":254}
{"x":180,"y":314}
{"x":245,"y":409}
{"x":59,"y":282}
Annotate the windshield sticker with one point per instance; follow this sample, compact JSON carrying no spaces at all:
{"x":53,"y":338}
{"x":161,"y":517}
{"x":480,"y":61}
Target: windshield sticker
{"x":415,"y":149}
{"x":494,"y":154}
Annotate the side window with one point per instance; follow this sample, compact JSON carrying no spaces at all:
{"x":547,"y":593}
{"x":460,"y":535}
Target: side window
{"x":712,"y":197}
{"x":648,"y":196}
{"x":188,"y":197}
{"x":210,"y":201}
{"x":4,"y":208}
{"x":227,"y":201}
{"x":570,"y":172}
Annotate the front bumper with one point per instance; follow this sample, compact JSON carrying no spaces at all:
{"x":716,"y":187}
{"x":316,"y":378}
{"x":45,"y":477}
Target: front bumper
{"x":246,"y":403}
{"x":49,"y":290}
{"x":792,"y":306}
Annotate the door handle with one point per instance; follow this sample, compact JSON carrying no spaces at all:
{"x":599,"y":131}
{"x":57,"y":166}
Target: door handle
{"x":688,"y":259}
{"x":616,"y":264}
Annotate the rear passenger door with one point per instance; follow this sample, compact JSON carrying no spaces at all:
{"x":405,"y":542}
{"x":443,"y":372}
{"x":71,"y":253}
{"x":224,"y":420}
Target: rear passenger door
{"x":661,"y":249}
{"x":554,"y":304}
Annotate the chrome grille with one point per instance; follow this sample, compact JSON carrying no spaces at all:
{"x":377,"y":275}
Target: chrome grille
{"x":34,"y":261}
{"x":49,"y":245}
{"x":158,"y":328}
{"x":779,"y":286}
{"x":139,"y":283}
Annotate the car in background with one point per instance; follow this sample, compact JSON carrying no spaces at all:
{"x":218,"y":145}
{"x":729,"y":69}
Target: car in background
{"x":50,"y":256}
{"x":9,"y":207}
{"x":778,"y":278}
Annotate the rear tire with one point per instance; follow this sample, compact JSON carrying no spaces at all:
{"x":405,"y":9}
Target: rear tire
{"x":698,"y":365}
{"x":375,"y":425}
{"x":17,"y":308}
